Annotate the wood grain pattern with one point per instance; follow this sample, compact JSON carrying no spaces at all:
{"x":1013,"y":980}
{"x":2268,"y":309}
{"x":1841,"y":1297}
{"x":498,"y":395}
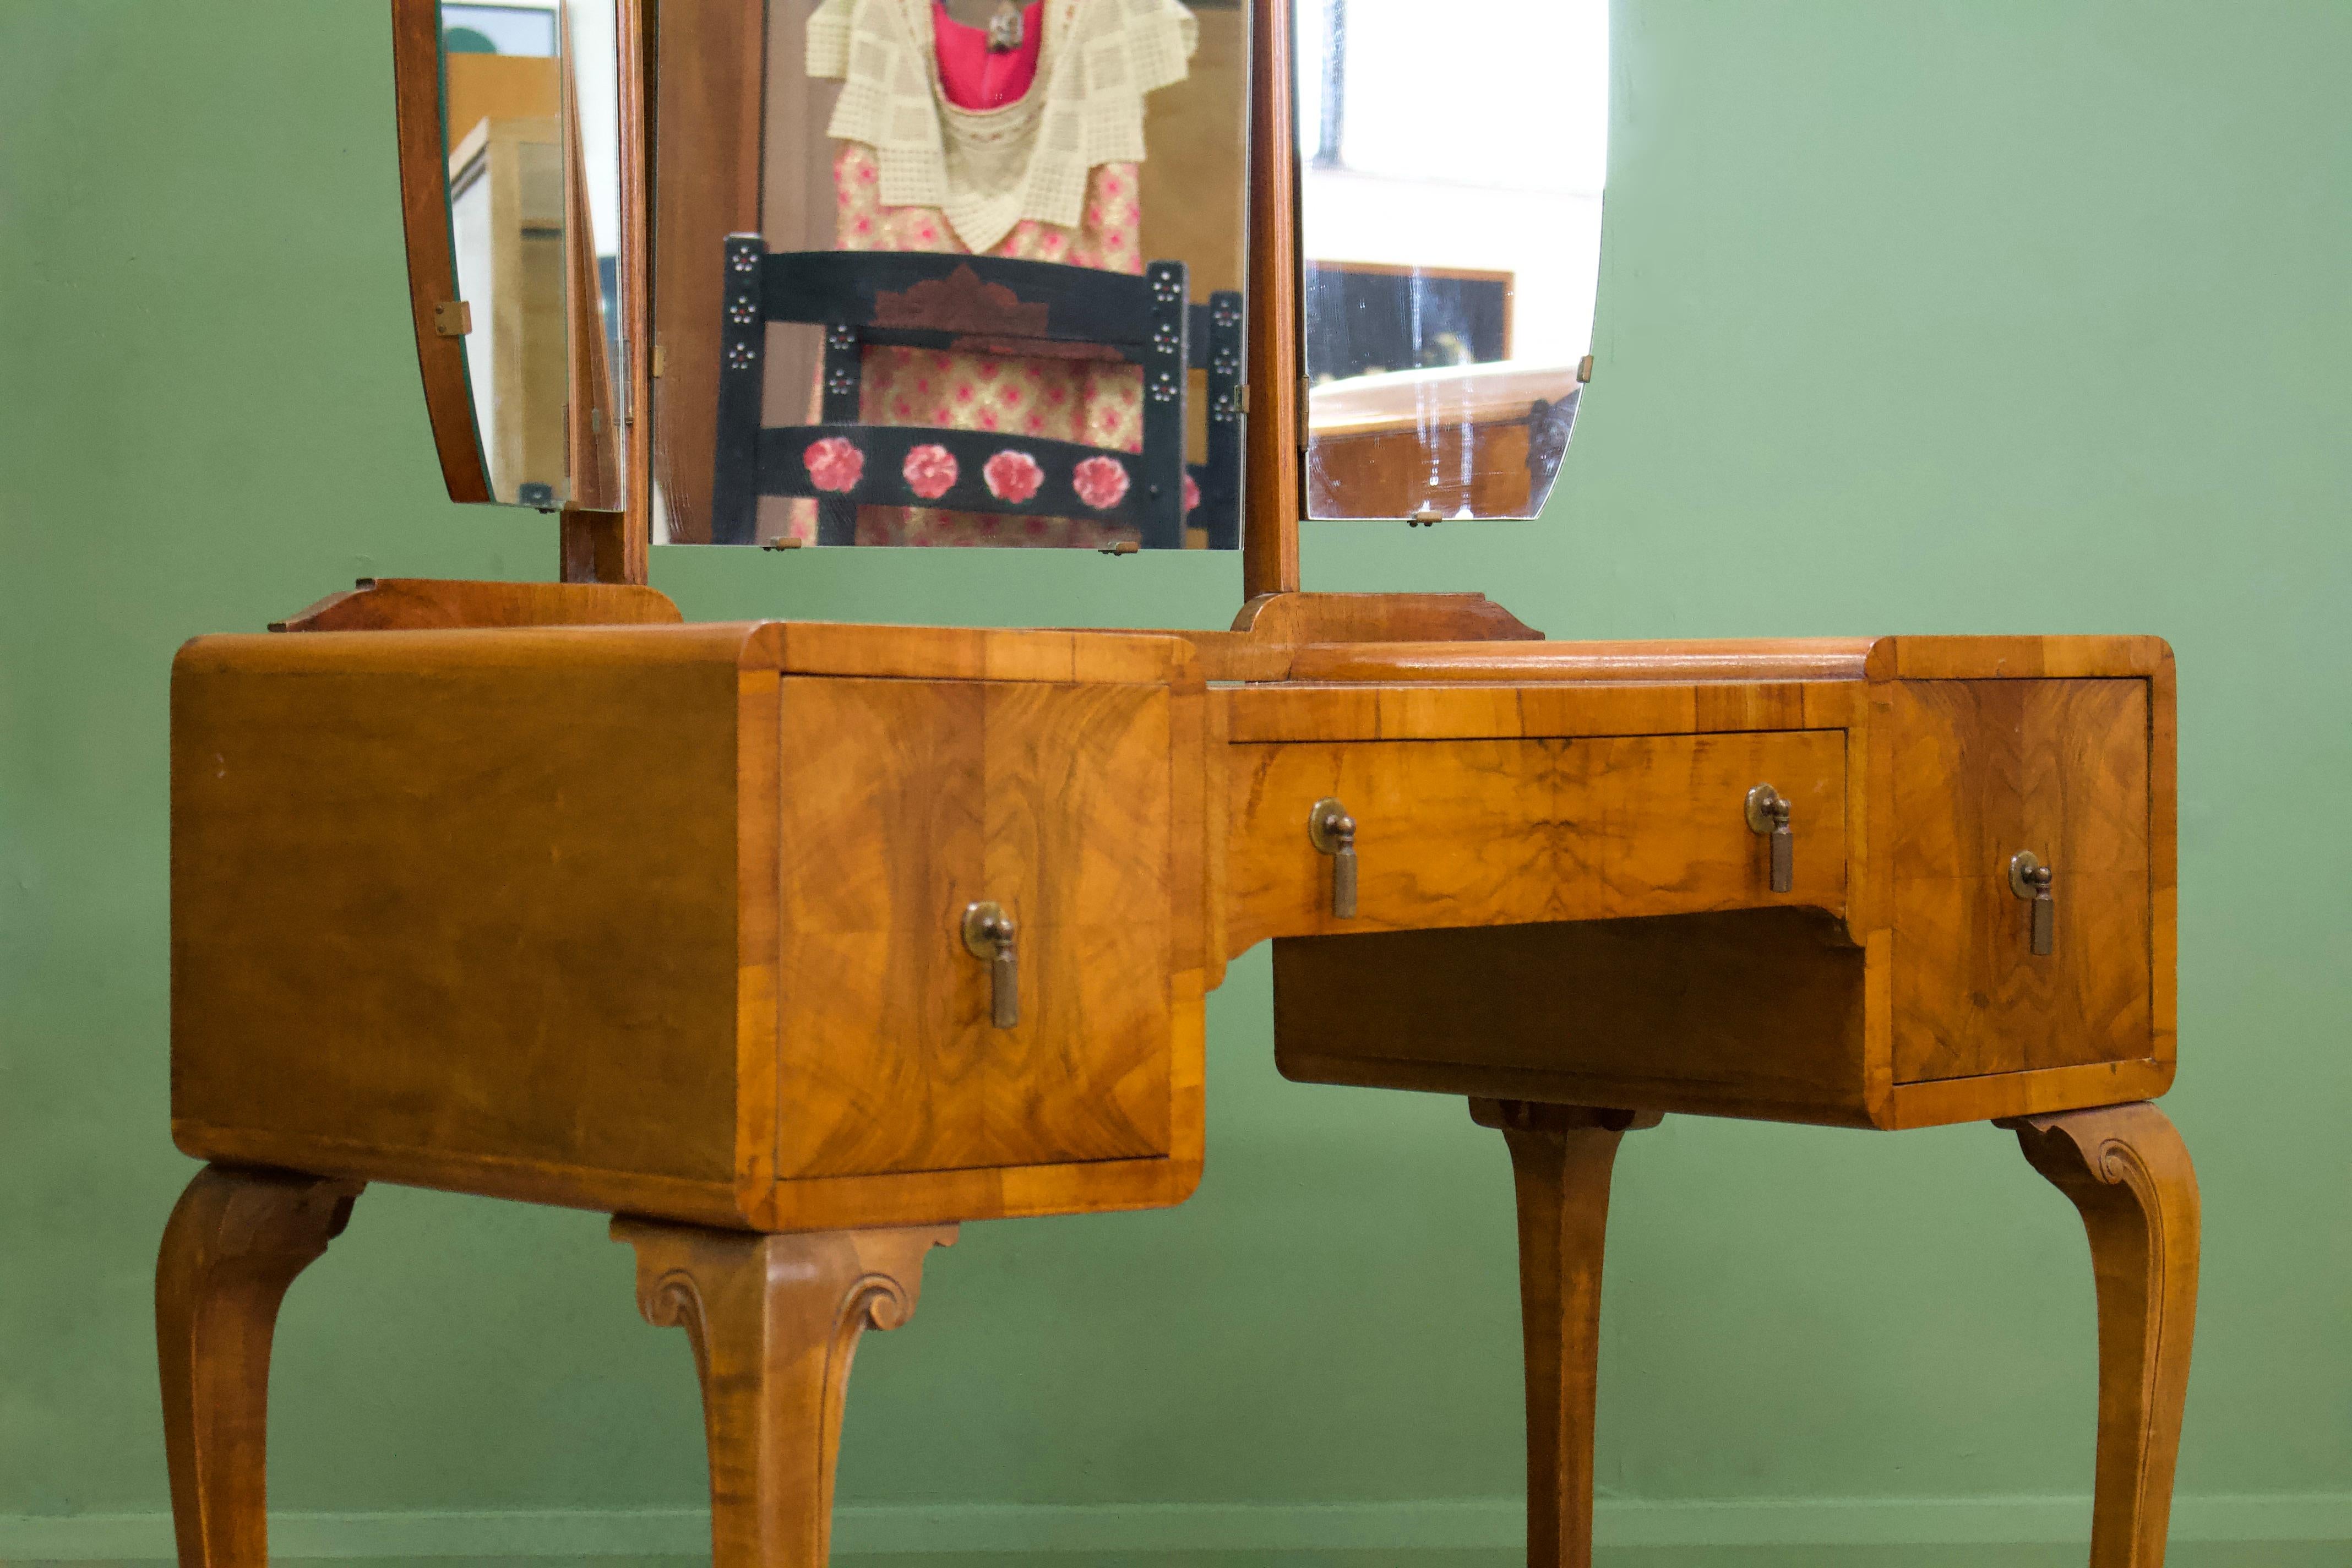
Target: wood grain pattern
{"x":236,"y":1241}
{"x":432,"y":264}
{"x":2163,"y":861}
{"x":2126,"y":1168}
{"x":1940,"y":1102}
{"x":1274,"y":494}
{"x":591,"y":423}
{"x":1741,"y":659}
{"x":1751,"y":1013}
{"x":634,"y":20}
{"x":1497,"y":832}
{"x":513,"y":911}
{"x":882,"y":1063}
{"x":1077,"y":828}
{"x":595,"y":547}
{"x":1561,"y":1157}
{"x":1293,"y":711}
{"x":1984,"y":768}
{"x":396,"y":859}
{"x":1380,"y":618}
{"x":2017,"y":658}
{"x":707,"y":71}
{"x":1273,"y":630}
{"x":412,"y":604}
{"x":775,"y":1321}
{"x":911,"y":800}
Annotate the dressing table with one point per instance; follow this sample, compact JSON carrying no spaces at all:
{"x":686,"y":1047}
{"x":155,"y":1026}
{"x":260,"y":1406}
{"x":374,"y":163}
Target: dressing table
{"x":793,"y":946}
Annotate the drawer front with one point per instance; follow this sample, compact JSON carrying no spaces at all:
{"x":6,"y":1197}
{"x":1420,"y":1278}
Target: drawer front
{"x":1982,"y":770}
{"x":903,"y":801}
{"x":1503,"y":832}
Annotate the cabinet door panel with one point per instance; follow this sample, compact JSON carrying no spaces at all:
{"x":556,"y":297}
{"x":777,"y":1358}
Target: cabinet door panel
{"x":903,"y":801}
{"x":1983,"y":770}
{"x":1077,"y":850}
{"x":882,"y":1009}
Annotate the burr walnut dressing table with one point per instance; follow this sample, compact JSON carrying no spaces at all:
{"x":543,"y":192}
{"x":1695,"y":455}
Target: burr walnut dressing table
{"x":796,"y":945}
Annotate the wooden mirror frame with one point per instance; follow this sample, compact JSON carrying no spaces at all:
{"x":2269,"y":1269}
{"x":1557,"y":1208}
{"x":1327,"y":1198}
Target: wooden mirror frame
{"x":613,"y":546}
{"x":597,"y":546}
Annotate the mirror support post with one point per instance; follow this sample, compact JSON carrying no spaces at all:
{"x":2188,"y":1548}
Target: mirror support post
{"x":635,"y":530}
{"x":1274,"y":495}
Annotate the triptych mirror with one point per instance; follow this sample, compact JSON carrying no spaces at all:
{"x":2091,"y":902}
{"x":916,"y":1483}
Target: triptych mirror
{"x":988,"y":272}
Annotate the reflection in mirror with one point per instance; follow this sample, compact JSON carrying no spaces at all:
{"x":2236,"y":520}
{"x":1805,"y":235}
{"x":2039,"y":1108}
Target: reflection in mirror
{"x":530,"y":122}
{"x":1450,"y":194}
{"x":949,"y":272}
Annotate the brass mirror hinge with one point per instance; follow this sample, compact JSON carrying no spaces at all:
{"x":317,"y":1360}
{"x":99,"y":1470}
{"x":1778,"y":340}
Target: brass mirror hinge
{"x":988,"y":933}
{"x":453,"y":318}
{"x":1333,"y":832}
{"x":2030,"y":879}
{"x":1767,"y":814}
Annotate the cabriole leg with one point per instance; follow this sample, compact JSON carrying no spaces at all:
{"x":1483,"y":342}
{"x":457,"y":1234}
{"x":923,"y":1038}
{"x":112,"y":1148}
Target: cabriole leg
{"x":1561,"y":1156}
{"x":775,"y":1322}
{"x":2127,"y":1171}
{"x":236,"y":1241}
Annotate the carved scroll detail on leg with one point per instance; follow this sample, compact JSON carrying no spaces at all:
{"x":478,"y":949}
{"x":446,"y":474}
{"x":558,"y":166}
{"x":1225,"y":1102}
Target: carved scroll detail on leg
{"x":1561,"y":1157}
{"x":775,"y":1322}
{"x":236,"y":1241}
{"x":2127,"y":1171}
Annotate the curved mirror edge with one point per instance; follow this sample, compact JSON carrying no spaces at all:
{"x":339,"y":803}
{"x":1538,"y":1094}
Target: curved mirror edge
{"x":941,"y":343}
{"x":1450,"y":254}
{"x":528,"y":99}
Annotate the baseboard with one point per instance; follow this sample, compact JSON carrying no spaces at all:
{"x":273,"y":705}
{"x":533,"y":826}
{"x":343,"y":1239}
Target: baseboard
{"x":2312,"y":1517}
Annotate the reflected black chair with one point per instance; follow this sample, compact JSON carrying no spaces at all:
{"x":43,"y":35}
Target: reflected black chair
{"x":974,"y":304}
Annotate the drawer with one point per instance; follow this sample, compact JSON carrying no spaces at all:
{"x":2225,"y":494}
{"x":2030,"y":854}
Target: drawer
{"x":1983,"y":769}
{"x":905,"y":801}
{"x":1503,"y":832}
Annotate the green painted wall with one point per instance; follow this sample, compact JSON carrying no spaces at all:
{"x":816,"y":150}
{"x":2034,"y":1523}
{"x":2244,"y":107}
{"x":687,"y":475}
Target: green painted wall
{"x":1996,"y":316}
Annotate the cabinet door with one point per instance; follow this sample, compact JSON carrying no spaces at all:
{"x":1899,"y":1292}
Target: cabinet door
{"x":903,"y":801}
{"x":1984,"y":768}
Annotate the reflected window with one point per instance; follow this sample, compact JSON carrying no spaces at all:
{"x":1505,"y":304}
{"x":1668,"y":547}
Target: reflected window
{"x":528,"y":30}
{"x":1451,"y":195}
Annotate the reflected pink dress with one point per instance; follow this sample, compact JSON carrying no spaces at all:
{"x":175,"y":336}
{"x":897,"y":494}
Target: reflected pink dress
{"x":1094,"y":404}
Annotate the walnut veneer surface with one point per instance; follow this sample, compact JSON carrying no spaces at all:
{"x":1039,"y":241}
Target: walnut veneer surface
{"x":663,"y":918}
{"x":552,"y":895}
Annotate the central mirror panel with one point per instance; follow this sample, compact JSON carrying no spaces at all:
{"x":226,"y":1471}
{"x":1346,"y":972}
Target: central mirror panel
{"x":949,"y":272}
{"x":1451,"y":164}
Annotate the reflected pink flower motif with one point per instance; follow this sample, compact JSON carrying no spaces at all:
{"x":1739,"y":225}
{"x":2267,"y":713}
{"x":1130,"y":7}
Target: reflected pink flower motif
{"x":834,"y":464}
{"x":1192,"y":493}
{"x":930,"y":470}
{"x":1101,"y":482}
{"x":1012,"y":475}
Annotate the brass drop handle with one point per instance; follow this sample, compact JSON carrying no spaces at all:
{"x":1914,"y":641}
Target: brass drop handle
{"x":988,"y":933}
{"x":1333,"y":832}
{"x":2030,"y":878}
{"x":1768,"y":812}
